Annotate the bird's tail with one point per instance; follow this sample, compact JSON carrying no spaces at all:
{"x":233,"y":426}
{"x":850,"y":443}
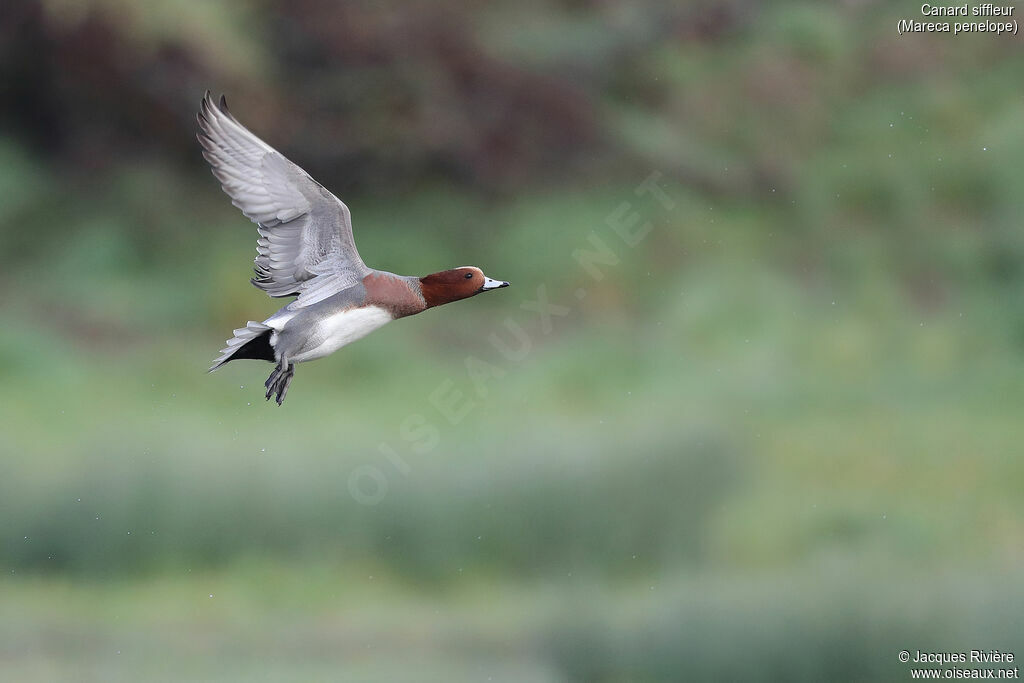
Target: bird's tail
{"x":251,"y":341}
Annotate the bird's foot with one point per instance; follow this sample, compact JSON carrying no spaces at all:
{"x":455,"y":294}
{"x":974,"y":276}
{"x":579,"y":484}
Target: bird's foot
{"x":279,"y":381}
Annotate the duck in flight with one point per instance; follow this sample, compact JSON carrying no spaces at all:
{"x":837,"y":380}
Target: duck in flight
{"x":306,"y":250}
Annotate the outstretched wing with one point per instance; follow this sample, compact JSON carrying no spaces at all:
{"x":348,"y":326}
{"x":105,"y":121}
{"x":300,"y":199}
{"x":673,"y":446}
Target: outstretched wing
{"x":306,"y":246}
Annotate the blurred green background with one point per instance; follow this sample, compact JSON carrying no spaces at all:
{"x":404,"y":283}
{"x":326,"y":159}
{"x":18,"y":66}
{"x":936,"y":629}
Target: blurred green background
{"x":779,"y":439}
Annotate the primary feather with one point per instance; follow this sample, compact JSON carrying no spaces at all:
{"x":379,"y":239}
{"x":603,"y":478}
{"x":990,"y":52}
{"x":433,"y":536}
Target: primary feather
{"x":306,"y":246}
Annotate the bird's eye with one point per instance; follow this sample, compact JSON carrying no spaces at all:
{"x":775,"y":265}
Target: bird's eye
{"x":469,"y":276}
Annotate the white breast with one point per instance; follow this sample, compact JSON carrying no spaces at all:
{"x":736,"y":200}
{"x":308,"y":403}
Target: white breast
{"x":342,"y":328}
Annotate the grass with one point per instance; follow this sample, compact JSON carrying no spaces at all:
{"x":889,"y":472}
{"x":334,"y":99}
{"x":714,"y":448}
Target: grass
{"x":726,"y":460}
{"x":830,"y":619}
{"x":778,"y":440}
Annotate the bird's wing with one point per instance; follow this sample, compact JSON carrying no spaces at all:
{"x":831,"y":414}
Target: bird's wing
{"x":306,"y":246}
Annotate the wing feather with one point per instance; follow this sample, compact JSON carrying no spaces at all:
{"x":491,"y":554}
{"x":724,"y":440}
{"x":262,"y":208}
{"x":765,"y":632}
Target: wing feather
{"x":305,"y":244}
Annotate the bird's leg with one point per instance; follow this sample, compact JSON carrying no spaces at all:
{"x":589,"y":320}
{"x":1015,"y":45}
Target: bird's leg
{"x":271,"y":381}
{"x":279,"y":379}
{"x":283,"y":383}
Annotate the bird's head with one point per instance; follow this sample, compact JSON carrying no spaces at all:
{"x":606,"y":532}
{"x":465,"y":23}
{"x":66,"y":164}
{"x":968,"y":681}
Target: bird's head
{"x":457,"y":283}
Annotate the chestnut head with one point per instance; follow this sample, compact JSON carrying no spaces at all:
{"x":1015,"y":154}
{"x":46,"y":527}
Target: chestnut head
{"x":457,"y":283}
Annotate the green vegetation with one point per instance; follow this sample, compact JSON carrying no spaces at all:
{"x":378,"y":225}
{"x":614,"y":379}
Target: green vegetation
{"x":778,"y":440}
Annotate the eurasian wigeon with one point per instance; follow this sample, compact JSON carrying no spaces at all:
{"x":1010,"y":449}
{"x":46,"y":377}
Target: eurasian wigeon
{"x":306,"y":250}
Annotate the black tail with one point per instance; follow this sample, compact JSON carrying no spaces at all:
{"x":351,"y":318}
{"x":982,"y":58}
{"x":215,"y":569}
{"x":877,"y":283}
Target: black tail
{"x":256,"y":349}
{"x":251,"y":341}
